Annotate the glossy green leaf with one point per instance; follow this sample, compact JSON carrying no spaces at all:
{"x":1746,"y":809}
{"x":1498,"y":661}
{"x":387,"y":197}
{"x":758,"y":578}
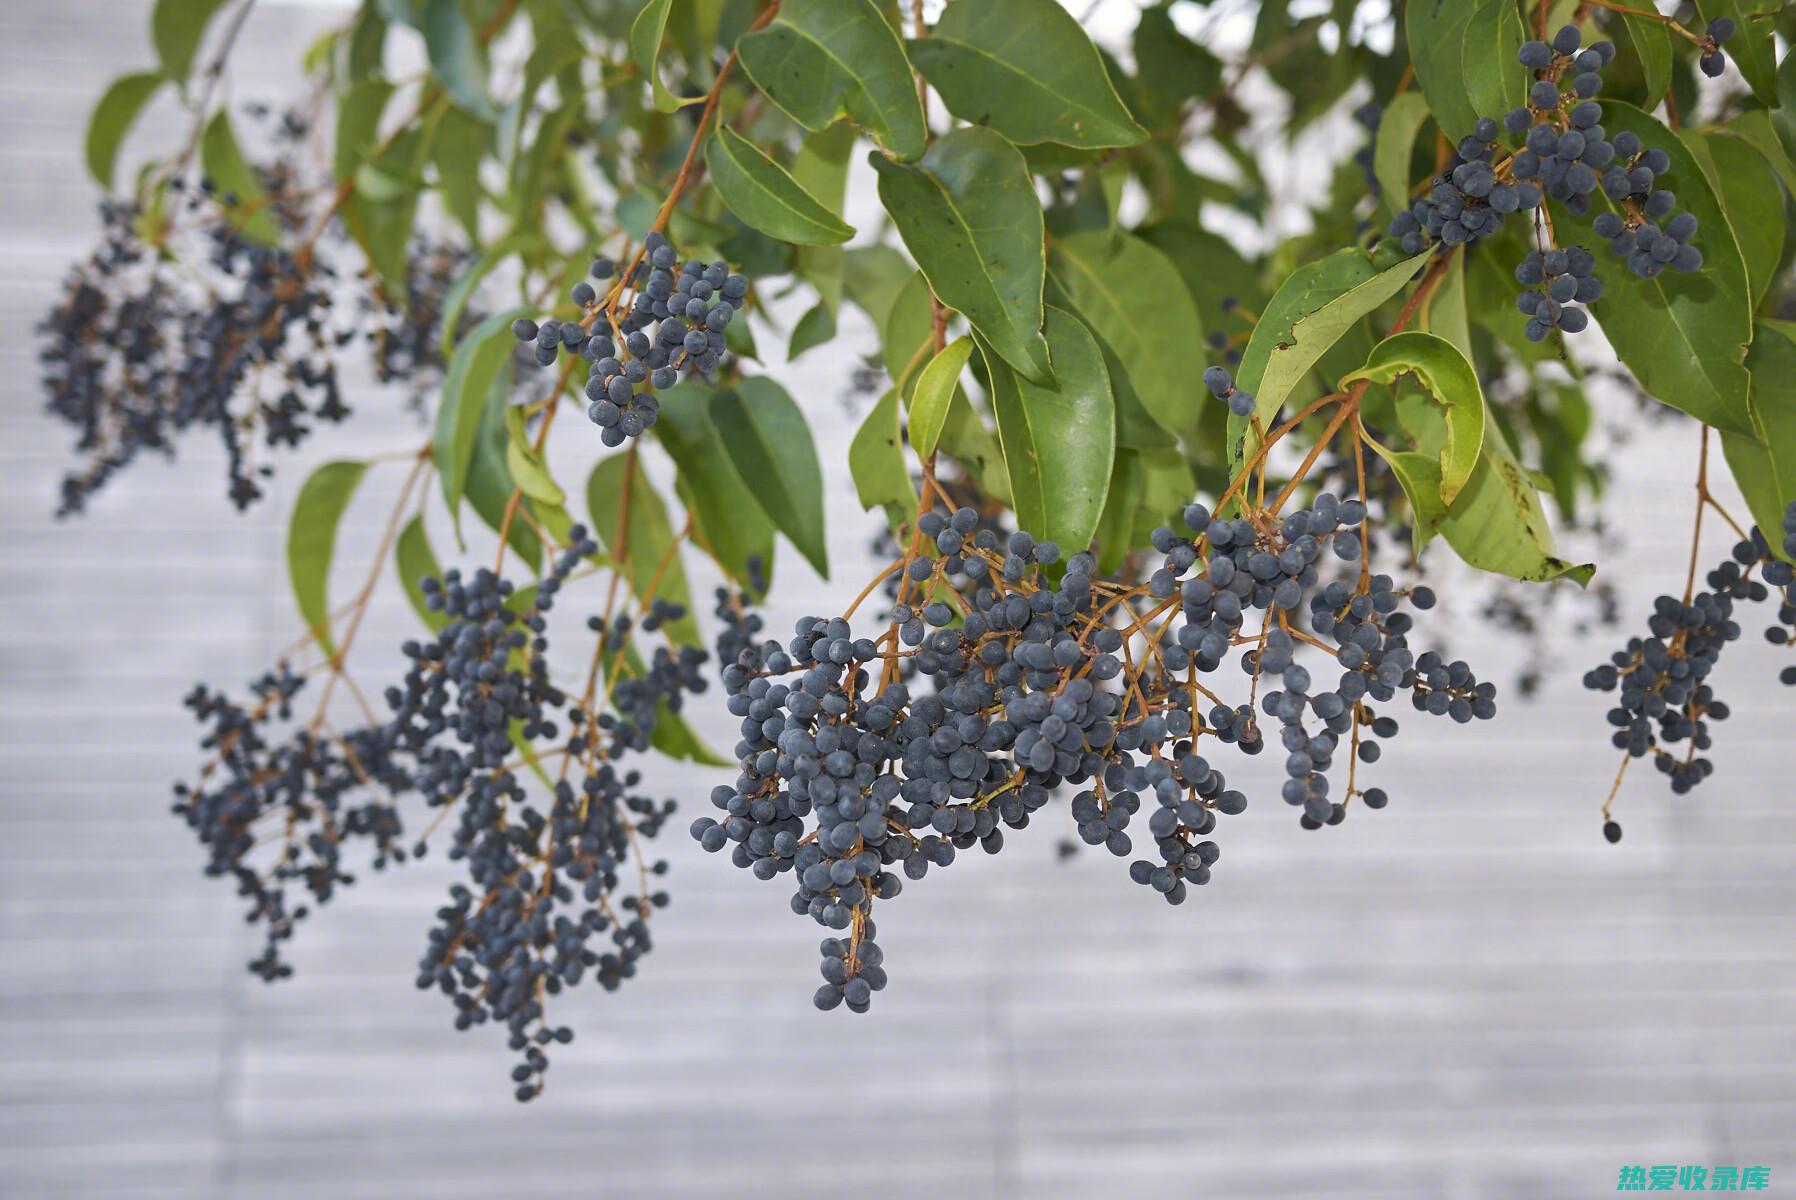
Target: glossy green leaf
{"x":969,"y":215}
{"x":177,"y":27}
{"x":1764,"y":463}
{"x":1496,"y":524}
{"x":648,"y":537}
{"x":728,"y":520}
{"x":528,"y":470}
{"x":1394,"y":147}
{"x":907,"y":339}
{"x":453,"y":46}
{"x":312,"y":541}
{"x":876,"y":461}
{"x":822,"y":59}
{"x":1445,"y":312}
{"x":935,"y":392}
{"x":1026,"y":69}
{"x":769,"y":440}
{"x":414,"y":560}
{"x":1753,"y":200}
{"x":1464,"y":55}
{"x":1757,"y":130}
{"x":119,"y":107}
{"x":1645,"y":59}
{"x":1130,"y":296}
{"x":1309,"y":313}
{"x":760,"y":191}
{"x":467,"y":383}
{"x":646,"y":33}
{"x":1059,"y":443}
{"x":1450,"y":381}
{"x":1683,"y":335}
{"x":1116,"y":525}
{"x":235,"y":180}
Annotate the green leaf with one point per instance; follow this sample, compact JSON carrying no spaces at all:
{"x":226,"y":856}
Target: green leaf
{"x":528,"y":470}
{"x":1213,"y":270}
{"x":1310,"y":312}
{"x":1754,"y":203}
{"x":112,"y":118}
{"x":759,"y":190}
{"x":1116,"y":527}
{"x":822,"y":59}
{"x":1130,"y":296}
{"x":462,"y":142}
{"x":1449,"y":379}
{"x":456,"y":58}
{"x":1497,"y":523}
{"x":1645,"y":53}
{"x":728,"y":520}
{"x":769,"y":440}
{"x":646,"y":33}
{"x":1464,"y":55}
{"x":934,"y":393}
{"x":177,"y":28}
{"x":1026,"y":69}
{"x":312,"y":540}
{"x":1753,"y":48}
{"x":1395,"y":145}
{"x":467,"y":384}
{"x":414,"y":560}
{"x":1444,"y":312}
{"x":1757,"y":130}
{"x":648,"y":538}
{"x":906,"y":340}
{"x":813,"y":329}
{"x":358,"y":123}
{"x":1059,"y":443}
{"x":489,"y":485}
{"x":1764,"y":463}
{"x":969,"y":215}
{"x":224,"y":164}
{"x":1683,"y":335}
{"x":876,"y":461}
{"x":1172,"y":68}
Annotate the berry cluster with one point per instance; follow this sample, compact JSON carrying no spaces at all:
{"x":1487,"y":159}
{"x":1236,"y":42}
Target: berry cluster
{"x":550,"y":897}
{"x":1664,"y":696}
{"x":1567,"y":156}
{"x":1021,"y":684}
{"x":1634,"y":234}
{"x":673,"y":327}
{"x":234,"y":337}
{"x":312,"y":794}
{"x":1564,"y":278}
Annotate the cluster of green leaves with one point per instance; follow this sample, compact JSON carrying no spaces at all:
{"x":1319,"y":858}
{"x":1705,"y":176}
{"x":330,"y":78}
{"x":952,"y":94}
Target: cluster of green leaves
{"x":1044,"y":293}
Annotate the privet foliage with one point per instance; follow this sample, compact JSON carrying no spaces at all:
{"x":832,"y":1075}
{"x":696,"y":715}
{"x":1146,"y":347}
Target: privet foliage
{"x":1152,"y":496}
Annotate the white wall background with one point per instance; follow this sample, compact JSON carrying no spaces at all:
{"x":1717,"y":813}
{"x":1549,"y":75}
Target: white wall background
{"x":1468,"y":995}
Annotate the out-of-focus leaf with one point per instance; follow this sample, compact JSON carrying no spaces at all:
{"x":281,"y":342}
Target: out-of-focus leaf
{"x":119,"y":107}
{"x":312,"y":541}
